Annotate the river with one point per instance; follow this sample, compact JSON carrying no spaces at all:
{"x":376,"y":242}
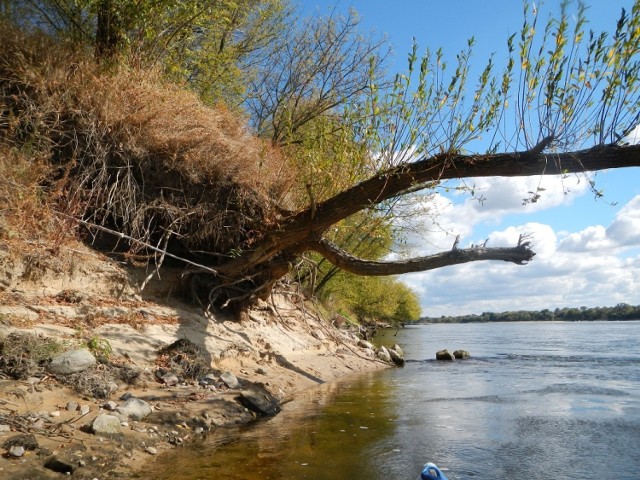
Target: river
{"x":548,"y":400}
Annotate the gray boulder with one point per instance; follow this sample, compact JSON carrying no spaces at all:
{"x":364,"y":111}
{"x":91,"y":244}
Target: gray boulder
{"x":365,"y":344}
{"x":461,"y":354}
{"x":105,"y":424}
{"x":383,"y":354}
{"x":398,"y":350}
{"x":73,"y":361}
{"x":134,"y":408}
{"x":230,"y":380}
{"x":397,"y":358}
{"x":444,"y":355}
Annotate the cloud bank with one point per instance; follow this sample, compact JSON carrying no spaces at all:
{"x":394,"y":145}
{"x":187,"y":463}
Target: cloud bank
{"x":597,"y":265}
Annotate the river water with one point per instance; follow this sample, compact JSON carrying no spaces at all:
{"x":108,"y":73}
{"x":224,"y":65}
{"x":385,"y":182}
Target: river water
{"x":536,"y":400}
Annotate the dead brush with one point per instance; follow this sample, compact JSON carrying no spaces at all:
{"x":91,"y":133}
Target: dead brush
{"x":133,"y":152}
{"x":25,"y":355}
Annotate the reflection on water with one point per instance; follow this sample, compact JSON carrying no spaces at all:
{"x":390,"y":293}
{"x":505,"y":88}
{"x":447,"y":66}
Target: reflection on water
{"x":319,"y":436}
{"x":562,"y":399}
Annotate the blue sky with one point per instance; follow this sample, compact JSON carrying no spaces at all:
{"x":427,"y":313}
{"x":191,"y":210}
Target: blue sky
{"x":588,"y":251}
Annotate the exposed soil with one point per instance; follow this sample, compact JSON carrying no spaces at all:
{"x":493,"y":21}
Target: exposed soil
{"x":81,"y":299}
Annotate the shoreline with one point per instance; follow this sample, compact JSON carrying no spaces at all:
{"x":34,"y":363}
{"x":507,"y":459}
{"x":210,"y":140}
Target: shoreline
{"x":283,"y":350}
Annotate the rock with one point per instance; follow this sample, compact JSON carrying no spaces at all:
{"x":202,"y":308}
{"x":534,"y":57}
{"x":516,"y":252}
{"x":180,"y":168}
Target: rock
{"x":39,"y":424}
{"x":461,"y":354}
{"x":151,"y":450}
{"x":260,"y":402}
{"x":383,"y":354}
{"x":72,"y":361}
{"x":59,"y":466}
{"x":444,"y":355}
{"x":134,"y":408}
{"x":398,"y":350}
{"x":105,"y":424}
{"x":72,"y":406}
{"x":110,"y":405}
{"x":396,"y":358}
{"x":84,"y":409}
{"x":230,"y":380}
{"x":261,"y":371}
{"x":5,"y":428}
{"x":16,"y":451}
{"x":208,"y":379}
{"x":365,"y":344}
{"x":26,"y":440}
{"x":170,"y":379}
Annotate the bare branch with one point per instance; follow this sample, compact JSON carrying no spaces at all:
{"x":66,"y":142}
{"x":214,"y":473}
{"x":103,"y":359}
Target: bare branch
{"x":519,"y":255}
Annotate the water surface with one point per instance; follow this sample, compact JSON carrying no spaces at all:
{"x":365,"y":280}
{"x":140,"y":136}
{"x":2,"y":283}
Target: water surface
{"x":536,"y":400}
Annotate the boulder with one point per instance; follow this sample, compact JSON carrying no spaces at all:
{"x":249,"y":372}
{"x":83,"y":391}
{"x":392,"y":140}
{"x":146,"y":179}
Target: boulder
{"x":260,"y":402}
{"x":398,"y":350}
{"x":396,"y":357}
{"x":134,"y":408}
{"x":365,"y":344}
{"x":73,"y":361}
{"x":170,"y":379}
{"x":444,"y":355}
{"x":105,"y":424}
{"x":230,"y":380}
{"x":383,"y":354}
{"x":26,"y":440}
{"x":461,"y":354}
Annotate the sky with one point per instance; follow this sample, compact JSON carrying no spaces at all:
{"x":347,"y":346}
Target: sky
{"x":587,"y":249}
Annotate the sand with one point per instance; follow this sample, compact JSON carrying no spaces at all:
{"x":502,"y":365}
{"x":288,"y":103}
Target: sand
{"x":281,"y":345}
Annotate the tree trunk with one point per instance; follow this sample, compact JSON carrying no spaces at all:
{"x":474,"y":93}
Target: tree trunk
{"x":109,"y":34}
{"x":303,"y":231}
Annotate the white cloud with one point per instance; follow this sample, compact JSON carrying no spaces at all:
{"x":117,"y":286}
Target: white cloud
{"x":595,"y":266}
{"x":623,"y":232}
{"x":495,"y":197}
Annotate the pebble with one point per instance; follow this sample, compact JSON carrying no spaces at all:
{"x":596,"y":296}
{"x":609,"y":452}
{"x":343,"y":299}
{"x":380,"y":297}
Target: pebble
{"x":72,"y":406}
{"x":84,"y":409}
{"x":110,"y":405}
{"x":151,"y":450}
{"x":16,"y":451}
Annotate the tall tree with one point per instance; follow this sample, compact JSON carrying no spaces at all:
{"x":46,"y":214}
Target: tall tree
{"x":563,"y":104}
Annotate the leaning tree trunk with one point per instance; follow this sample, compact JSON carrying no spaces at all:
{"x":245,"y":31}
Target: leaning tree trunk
{"x":267,"y":261}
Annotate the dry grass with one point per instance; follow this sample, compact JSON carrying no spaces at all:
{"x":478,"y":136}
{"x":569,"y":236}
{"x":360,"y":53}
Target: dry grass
{"x":126,"y":149}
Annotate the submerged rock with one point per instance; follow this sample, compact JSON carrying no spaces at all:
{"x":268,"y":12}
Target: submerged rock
{"x":444,"y":355}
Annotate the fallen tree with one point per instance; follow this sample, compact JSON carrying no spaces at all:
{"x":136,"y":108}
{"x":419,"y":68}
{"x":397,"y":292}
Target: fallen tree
{"x":146,"y":165}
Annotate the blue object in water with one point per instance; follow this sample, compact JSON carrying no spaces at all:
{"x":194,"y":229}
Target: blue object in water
{"x":431,"y":472}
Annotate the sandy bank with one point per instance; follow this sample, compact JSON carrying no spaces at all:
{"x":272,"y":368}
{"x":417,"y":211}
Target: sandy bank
{"x":281,"y":346}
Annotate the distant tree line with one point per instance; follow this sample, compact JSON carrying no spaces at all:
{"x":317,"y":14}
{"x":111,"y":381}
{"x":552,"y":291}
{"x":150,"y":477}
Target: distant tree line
{"x":621,"y":311}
